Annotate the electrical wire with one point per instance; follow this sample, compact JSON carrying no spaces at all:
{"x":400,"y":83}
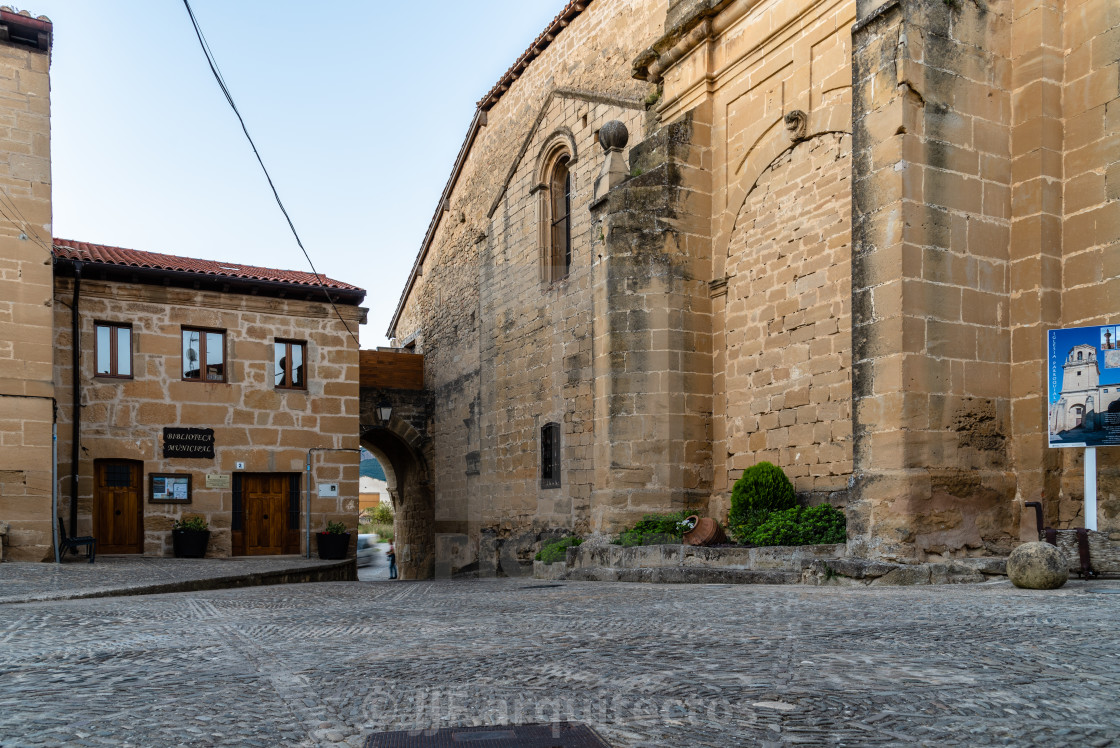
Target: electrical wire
{"x":29,"y":235}
{"x":213,"y":63}
{"x":24,"y":224}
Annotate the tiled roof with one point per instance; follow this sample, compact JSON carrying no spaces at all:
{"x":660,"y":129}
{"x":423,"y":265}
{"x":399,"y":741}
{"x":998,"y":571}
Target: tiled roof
{"x":571,"y":10}
{"x":100,"y":254}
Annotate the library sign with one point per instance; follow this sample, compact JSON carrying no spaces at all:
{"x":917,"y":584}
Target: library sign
{"x":182,"y":442}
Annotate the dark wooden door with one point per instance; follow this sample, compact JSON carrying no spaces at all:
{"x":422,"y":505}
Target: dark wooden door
{"x":118,"y":510}
{"x":266,"y":516}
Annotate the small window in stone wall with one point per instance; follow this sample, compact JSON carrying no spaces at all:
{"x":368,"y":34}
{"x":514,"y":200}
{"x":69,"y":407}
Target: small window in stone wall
{"x":550,"y":455}
{"x":204,"y":355}
{"x":289,"y":360}
{"x":114,"y":349}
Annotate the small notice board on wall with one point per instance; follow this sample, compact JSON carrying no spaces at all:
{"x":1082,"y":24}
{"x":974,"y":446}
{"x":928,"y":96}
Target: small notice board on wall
{"x":1083,"y":397}
{"x":1083,"y":381}
{"x":166,"y":488}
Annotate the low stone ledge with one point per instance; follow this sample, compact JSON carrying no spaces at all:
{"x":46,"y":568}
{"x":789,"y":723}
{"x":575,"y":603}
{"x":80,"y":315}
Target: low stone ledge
{"x":807,"y":564}
{"x":682,"y":575}
{"x":879,"y":573}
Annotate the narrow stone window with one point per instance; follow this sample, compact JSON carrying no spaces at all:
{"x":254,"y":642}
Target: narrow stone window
{"x":560,"y":222}
{"x":114,"y":350}
{"x":550,"y":455}
{"x":204,"y":355}
{"x":290,"y":364}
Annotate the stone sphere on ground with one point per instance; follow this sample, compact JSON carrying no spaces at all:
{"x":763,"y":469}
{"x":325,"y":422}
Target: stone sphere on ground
{"x":1037,"y":566}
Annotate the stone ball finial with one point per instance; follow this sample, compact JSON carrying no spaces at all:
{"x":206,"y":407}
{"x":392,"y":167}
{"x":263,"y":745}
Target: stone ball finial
{"x":613,"y":135}
{"x":1037,"y":566}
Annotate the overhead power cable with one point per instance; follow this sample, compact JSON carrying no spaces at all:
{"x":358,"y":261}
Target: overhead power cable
{"x":213,"y":63}
{"x":10,"y":208}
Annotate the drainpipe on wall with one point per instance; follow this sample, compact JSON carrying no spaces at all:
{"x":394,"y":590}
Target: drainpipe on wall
{"x":308,"y":518}
{"x":54,"y":481}
{"x":76,"y":418}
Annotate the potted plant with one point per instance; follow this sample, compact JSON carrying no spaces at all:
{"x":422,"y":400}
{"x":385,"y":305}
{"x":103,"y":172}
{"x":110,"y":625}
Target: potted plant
{"x":189,"y":537}
{"x":333,"y":542}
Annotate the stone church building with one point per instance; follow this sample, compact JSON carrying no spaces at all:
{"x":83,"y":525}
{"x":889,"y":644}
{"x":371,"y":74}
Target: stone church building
{"x":686,"y":236}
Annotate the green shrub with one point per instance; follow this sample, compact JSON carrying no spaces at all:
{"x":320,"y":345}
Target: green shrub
{"x":191,"y":524}
{"x":801,"y":526}
{"x":557,"y":550}
{"x":653,"y":529}
{"x":335,"y":528}
{"x":382,"y":514}
{"x":760,"y":490}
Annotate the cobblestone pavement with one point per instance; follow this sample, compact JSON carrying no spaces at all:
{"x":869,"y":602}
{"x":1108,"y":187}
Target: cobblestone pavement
{"x":75,"y":577}
{"x":688,"y":665}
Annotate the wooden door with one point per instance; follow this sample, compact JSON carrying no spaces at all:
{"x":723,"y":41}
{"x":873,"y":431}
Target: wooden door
{"x":266,"y":513}
{"x":118,"y":510}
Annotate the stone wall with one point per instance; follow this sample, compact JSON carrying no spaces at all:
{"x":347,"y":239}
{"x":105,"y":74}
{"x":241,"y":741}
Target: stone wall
{"x":1086,"y":37}
{"x":270,"y":430}
{"x":501,"y":351}
{"x":930,"y":271}
{"x":889,"y":202}
{"x":787,"y":327}
{"x":775,"y":80}
{"x":26,"y":355}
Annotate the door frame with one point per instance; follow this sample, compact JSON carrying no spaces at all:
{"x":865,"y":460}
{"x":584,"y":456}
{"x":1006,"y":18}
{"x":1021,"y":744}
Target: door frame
{"x":290,"y":542}
{"x":102,"y":534}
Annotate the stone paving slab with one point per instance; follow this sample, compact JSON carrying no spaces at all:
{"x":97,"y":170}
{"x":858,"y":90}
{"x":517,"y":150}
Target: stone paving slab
{"x":643,"y":665}
{"x":111,"y":576}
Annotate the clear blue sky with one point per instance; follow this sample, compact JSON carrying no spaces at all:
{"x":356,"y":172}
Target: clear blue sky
{"x":358,"y":108}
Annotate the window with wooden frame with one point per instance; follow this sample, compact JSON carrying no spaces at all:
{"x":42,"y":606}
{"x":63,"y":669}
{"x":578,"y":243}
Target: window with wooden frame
{"x":550,"y":455}
{"x":289,"y":358}
{"x":556,"y":224}
{"x":114,"y":350}
{"x":204,"y":355}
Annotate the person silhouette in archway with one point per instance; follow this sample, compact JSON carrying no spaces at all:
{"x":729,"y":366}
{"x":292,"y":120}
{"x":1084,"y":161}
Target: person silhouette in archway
{"x":392,"y":554}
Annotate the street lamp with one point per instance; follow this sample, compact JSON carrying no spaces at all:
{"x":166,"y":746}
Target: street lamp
{"x":384,"y":411}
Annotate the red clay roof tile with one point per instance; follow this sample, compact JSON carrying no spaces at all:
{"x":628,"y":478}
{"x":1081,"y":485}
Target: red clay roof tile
{"x":118,"y":256}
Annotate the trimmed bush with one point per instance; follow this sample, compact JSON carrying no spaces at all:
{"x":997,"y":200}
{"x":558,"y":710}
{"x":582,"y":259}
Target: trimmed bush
{"x":801,"y":526}
{"x":557,"y":550}
{"x":760,"y":490}
{"x":655,"y":529}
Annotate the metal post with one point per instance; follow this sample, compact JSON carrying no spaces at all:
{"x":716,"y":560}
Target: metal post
{"x":1090,"y":488}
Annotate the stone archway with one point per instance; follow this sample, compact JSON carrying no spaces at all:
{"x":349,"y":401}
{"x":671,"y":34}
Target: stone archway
{"x":409,"y":481}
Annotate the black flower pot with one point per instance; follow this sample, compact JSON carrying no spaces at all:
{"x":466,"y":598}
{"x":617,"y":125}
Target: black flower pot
{"x":190,"y":543}
{"x":333,"y":546}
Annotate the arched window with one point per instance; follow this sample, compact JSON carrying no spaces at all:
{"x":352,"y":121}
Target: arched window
{"x":558,"y":219}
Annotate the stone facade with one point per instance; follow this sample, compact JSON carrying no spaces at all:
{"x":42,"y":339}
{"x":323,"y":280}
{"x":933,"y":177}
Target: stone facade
{"x":258,"y":428}
{"x":844,"y":232}
{"x":26,"y":355}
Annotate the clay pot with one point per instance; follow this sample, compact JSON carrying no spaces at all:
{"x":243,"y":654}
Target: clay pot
{"x":705,"y":532}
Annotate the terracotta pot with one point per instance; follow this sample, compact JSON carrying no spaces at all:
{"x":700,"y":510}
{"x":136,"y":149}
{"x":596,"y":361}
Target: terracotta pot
{"x":706,"y":532}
